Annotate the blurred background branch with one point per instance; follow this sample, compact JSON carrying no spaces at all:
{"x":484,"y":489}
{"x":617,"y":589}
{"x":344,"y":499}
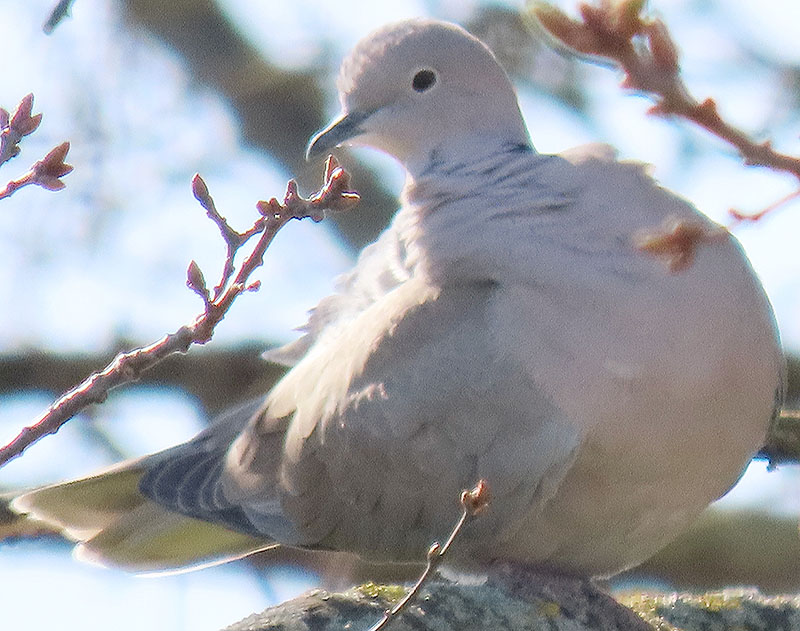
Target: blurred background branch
{"x":278,"y":110}
{"x":59,"y":12}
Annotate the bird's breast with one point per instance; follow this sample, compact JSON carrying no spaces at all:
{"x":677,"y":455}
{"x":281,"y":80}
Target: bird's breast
{"x":671,"y":383}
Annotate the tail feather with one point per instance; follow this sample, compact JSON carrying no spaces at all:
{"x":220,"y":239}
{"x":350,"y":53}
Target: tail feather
{"x":151,"y":539}
{"x":84,"y":507}
{"x":114,"y":524}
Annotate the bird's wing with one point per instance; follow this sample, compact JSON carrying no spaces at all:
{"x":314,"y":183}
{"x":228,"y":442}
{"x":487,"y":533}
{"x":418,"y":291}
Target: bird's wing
{"x":412,"y":401}
{"x":126,"y":516}
{"x":381,"y":266}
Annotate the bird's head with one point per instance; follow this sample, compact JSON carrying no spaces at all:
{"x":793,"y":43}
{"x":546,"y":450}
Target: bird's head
{"x":421,"y":89}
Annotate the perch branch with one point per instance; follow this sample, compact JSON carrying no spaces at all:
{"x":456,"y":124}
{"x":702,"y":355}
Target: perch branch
{"x":127,"y":367}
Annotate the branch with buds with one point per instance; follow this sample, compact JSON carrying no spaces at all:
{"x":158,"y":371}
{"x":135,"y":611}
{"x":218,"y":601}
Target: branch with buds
{"x":676,"y":241}
{"x":127,"y":367}
{"x":48,"y":171}
{"x":473,"y":502}
{"x":644,"y":50}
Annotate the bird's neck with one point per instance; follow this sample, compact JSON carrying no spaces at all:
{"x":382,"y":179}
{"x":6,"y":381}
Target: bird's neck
{"x":467,"y":154}
{"x":456,"y":174}
{"x":459,"y":213}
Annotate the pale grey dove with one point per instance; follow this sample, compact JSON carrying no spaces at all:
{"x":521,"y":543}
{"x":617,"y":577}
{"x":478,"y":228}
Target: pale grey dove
{"x":505,"y":326}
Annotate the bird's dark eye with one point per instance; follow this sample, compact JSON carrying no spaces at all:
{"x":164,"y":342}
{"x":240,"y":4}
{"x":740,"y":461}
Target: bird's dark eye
{"x":423,"y":80}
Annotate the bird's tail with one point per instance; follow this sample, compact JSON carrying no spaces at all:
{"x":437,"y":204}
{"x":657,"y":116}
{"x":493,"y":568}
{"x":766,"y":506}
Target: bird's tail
{"x":114,"y":524}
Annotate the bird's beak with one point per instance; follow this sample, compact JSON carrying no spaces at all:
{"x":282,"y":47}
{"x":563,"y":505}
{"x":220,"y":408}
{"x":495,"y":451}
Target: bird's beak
{"x":346,"y":127}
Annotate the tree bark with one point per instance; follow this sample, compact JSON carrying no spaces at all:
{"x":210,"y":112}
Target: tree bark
{"x":449,"y":606}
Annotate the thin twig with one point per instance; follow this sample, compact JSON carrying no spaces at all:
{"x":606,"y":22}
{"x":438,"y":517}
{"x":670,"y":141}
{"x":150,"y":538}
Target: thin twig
{"x":233,"y":239}
{"x":13,"y":127}
{"x":473,"y":502}
{"x":737,"y":216}
{"x":46,"y":173}
{"x":129,"y":366}
{"x":643,"y":48}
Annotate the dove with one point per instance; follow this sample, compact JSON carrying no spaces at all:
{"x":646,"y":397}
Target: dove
{"x":506,"y":326}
